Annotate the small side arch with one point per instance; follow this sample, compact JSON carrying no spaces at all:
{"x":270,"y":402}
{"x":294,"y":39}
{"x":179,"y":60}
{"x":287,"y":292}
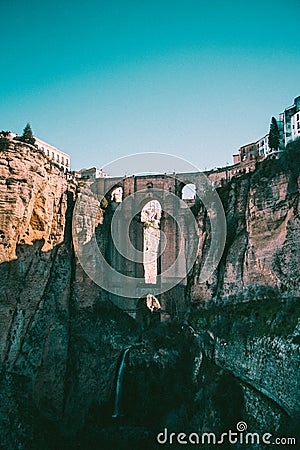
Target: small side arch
{"x":189,"y":192}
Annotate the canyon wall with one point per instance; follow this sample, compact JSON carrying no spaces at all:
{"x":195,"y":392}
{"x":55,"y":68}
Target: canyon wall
{"x":262,"y":246}
{"x":248,"y":311}
{"x":60,"y":337}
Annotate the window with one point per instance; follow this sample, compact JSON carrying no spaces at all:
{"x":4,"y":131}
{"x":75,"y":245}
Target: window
{"x":57,"y":158}
{"x":52,"y":157}
{"x":67,"y":162}
{"x":62,"y":160}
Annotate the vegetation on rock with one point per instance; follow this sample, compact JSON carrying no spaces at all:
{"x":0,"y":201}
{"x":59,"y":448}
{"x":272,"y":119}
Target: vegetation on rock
{"x":4,"y":141}
{"x":274,"y":135}
{"x":27,"y":135}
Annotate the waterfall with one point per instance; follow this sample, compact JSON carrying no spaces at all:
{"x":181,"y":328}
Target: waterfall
{"x":119,"y":382}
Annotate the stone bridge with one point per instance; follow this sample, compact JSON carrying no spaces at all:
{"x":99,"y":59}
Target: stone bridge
{"x":174,"y":248}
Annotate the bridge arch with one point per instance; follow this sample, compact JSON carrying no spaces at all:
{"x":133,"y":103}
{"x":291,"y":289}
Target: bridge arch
{"x":150,"y":218}
{"x":189,"y":191}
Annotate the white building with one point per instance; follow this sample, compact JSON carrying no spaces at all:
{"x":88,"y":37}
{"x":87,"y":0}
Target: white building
{"x":93,"y":172}
{"x":295,"y":126}
{"x":290,"y":120}
{"x":263,"y":146}
{"x":289,"y":129}
{"x":53,"y":153}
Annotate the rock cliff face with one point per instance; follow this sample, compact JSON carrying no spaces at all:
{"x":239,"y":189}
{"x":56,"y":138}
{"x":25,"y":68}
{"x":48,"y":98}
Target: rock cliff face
{"x":247,"y":314}
{"x":33,"y":200}
{"x":60,"y":338}
{"x":33,"y":223}
{"x":263,"y":247}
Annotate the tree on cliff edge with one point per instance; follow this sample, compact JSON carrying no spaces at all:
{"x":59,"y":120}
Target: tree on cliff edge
{"x":27,"y":135}
{"x":274,"y":135}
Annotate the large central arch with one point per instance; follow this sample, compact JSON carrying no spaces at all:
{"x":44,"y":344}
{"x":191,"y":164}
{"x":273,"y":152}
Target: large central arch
{"x":150,"y":217}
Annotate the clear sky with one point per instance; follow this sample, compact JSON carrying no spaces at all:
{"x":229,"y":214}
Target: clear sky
{"x":103,"y":79}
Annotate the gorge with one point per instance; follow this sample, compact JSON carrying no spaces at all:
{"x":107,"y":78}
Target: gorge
{"x":227,"y":352}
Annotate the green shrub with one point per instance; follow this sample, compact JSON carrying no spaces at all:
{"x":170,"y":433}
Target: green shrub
{"x":4,"y":133}
{"x":27,"y":136}
{"x":4,"y":143}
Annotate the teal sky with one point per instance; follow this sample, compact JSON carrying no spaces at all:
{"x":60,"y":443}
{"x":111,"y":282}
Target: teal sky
{"x":103,"y":79}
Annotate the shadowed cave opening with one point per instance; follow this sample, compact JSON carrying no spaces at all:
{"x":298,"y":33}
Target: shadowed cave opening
{"x":148,"y":311}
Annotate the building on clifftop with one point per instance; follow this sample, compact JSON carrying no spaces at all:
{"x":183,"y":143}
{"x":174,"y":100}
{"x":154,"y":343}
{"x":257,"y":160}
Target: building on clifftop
{"x":58,"y":156}
{"x":93,"y":172}
{"x":288,"y":123}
